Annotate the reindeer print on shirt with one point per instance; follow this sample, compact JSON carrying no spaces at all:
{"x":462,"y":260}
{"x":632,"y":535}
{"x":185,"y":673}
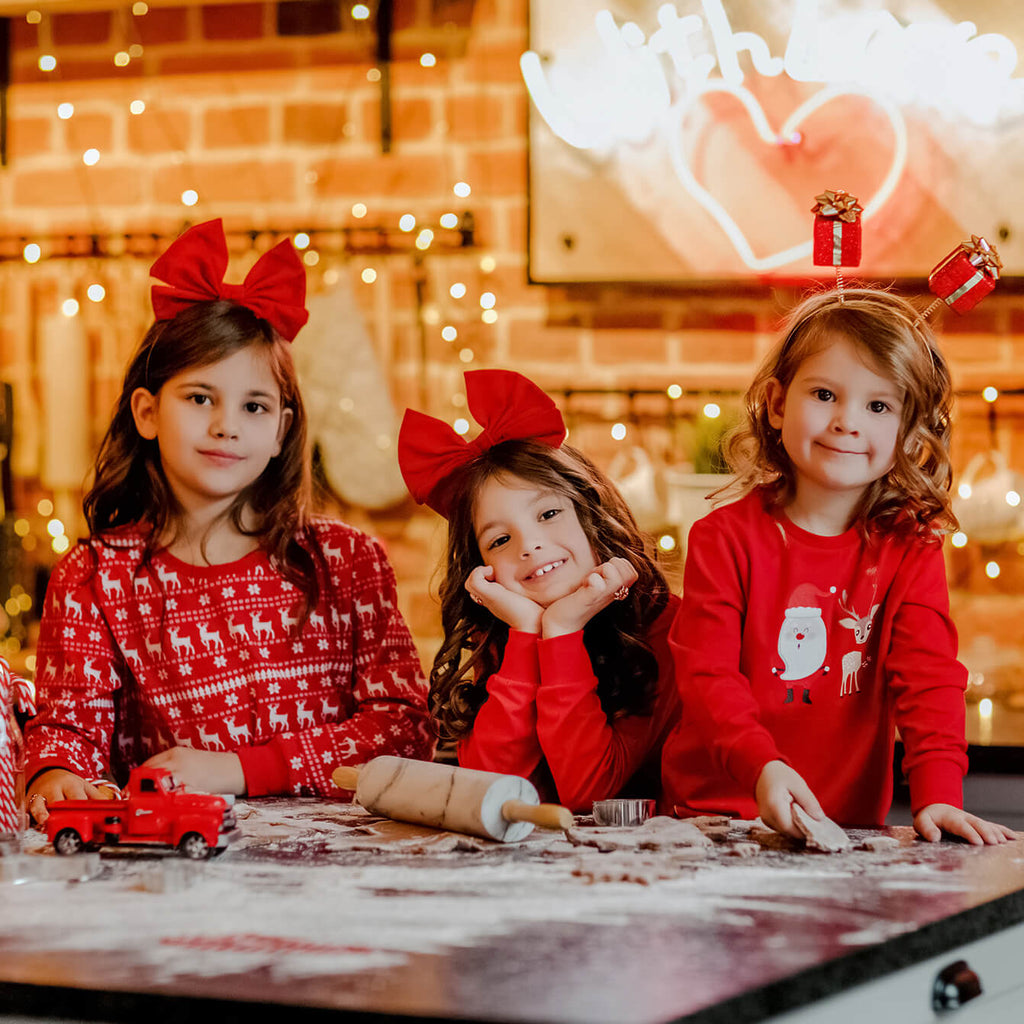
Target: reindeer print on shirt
{"x":227,"y":658}
{"x":811,"y":616}
{"x":854,"y":661}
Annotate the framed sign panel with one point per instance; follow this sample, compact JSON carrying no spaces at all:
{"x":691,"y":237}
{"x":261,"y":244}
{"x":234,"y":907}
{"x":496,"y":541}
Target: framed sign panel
{"x":686,"y":141}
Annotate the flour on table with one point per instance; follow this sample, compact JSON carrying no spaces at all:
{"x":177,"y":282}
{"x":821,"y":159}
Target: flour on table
{"x":660,"y":833}
{"x":621,"y":866}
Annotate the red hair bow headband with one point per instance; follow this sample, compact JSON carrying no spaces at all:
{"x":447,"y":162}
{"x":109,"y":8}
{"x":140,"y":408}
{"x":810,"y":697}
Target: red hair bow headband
{"x":506,"y":404}
{"x":194,"y":266}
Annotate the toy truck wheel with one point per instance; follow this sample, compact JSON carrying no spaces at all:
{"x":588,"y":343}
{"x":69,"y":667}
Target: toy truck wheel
{"x":67,"y":842}
{"x":194,"y":846}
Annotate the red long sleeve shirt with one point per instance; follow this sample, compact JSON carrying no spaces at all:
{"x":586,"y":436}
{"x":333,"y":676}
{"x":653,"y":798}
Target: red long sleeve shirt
{"x":542,"y":716}
{"x":811,"y":650}
{"x":132,"y":661}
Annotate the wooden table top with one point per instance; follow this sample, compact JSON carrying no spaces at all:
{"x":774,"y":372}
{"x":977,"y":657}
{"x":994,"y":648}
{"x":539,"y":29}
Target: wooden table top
{"x":322,"y":907}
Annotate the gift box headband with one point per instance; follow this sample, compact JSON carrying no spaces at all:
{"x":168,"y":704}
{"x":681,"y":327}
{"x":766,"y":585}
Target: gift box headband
{"x":507,"y":405}
{"x":961,"y":279}
{"x":193,"y":268}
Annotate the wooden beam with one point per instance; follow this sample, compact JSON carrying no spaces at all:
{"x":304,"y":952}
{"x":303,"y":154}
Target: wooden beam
{"x":5,"y":81}
{"x":385,"y":25}
{"x":19,"y":8}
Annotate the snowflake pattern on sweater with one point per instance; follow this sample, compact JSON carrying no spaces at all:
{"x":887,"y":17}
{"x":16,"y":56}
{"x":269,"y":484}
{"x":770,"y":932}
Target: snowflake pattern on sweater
{"x":135,"y":659}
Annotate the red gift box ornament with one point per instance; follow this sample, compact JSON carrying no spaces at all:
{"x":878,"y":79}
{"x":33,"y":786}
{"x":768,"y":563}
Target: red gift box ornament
{"x":967,"y":274}
{"x":836,"y":229}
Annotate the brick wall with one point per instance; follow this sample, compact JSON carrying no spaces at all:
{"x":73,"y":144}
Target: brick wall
{"x":284,"y":132}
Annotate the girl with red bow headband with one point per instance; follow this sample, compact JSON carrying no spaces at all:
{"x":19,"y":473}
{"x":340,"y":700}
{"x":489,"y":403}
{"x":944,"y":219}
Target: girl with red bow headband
{"x":211,"y":623}
{"x":555,"y":662}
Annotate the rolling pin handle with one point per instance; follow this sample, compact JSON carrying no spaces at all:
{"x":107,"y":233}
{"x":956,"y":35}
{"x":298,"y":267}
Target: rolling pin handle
{"x":542,"y":815}
{"x":346,"y":777}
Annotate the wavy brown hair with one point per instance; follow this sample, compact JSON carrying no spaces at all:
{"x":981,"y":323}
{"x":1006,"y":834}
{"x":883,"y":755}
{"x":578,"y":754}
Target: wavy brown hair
{"x":615,"y":638}
{"x":913,"y":496}
{"x":129,"y":486}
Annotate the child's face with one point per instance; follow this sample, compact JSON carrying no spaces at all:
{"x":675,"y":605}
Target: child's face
{"x":532,"y":539}
{"x":840,"y":420}
{"x":217,"y":426}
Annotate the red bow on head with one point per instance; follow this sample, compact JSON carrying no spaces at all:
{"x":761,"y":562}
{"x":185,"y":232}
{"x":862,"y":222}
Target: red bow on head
{"x":194,"y":267}
{"x":506,"y":404}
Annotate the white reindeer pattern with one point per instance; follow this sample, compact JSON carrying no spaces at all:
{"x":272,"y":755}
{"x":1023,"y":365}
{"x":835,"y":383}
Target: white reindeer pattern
{"x":209,"y":637}
{"x":167,"y":578}
{"x":237,"y":629}
{"x":261,"y":628}
{"x":305,"y":715}
{"x":210,"y":739}
{"x":180,"y":643}
{"x":110,"y":585}
{"x":237,"y":732}
{"x":376,"y":687}
{"x":347,"y":747}
{"x":853,"y":661}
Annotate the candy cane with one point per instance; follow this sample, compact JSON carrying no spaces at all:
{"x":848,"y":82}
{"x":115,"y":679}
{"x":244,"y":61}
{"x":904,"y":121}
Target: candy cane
{"x":13,"y":690}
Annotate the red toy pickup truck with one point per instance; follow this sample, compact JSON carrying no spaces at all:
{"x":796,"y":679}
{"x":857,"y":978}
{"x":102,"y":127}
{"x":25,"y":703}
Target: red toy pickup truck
{"x":153,"y":811}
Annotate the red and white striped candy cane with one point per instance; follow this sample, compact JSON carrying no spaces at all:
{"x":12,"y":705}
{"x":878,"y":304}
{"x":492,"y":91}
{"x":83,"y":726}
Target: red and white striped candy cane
{"x":14,"y":691}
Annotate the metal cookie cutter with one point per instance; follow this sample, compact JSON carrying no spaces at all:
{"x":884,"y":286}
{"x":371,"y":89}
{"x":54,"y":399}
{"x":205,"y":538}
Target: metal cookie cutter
{"x":623,"y":812}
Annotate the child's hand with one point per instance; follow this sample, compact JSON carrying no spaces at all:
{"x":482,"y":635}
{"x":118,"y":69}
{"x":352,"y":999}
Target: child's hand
{"x":517,"y":611}
{"x":207,"y":771}
{"x":571,"y":613}
{"x":778,"y":788}
{"x":931,"y":821}
{"x":60,"y":784}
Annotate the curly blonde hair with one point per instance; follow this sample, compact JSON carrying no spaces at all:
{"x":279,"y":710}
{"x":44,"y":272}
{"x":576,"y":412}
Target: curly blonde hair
{"x":914,"y":495}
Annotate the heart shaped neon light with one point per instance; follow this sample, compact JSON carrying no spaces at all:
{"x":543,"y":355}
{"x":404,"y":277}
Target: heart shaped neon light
{"x":684,"y":172}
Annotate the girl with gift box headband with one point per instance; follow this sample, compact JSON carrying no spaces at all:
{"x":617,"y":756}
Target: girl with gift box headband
{"x":211,"y":624}
{"x":815,"y":616}
{"x":555,"y":663}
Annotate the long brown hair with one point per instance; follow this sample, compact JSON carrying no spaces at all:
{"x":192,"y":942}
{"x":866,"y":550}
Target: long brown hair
{"x":129,"y":485}
{"x":913,"y":496}
{"x":474,"y":639}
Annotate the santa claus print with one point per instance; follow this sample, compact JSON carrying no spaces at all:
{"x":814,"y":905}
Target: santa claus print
{"x":803,"y":640}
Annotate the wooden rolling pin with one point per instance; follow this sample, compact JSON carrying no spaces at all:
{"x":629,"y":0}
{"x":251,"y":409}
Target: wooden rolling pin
{"x":502,"y":807}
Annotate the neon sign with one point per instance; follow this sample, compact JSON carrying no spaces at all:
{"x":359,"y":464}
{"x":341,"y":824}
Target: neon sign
{"x":636,"y":87}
